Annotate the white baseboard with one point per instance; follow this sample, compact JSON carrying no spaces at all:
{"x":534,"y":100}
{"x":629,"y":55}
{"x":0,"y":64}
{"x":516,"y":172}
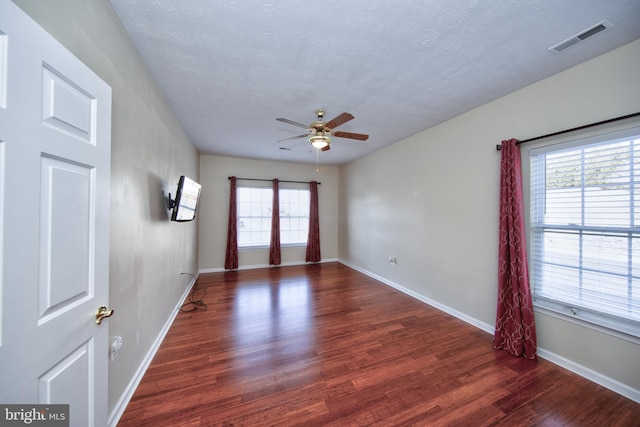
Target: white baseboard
{"x":570,"y":365}
{"x":455,"y":313}
{"x":253,"y":267}
{"x":591,"y":375}
{"x":126,"y":396}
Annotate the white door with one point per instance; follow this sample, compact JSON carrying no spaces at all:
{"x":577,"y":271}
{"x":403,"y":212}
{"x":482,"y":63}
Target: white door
{"x":55,"y":130}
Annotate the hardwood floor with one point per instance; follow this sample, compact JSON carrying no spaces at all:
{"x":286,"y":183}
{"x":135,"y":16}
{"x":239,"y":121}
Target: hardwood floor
{"x":324,"y":345}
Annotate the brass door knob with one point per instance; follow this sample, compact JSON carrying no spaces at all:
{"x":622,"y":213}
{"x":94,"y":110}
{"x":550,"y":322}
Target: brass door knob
{"x":102,"y":313}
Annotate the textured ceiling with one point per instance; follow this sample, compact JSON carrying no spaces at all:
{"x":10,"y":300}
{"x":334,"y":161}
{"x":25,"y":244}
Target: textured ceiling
{"x":229,"y":68}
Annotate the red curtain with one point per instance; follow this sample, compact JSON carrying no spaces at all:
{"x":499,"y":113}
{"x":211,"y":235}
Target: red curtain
{"x":313,"y":240}
{"x":274,"y":245}
{"x":515,"y":325}
{"x":231,"y":258}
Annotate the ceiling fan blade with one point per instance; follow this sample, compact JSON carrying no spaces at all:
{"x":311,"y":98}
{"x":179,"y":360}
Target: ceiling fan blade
{"x":295,"y":137}
{"x":291,"y":122}
{"x":350,"y":135}
{"x":337,"y":121}
{"x":326,"y":148}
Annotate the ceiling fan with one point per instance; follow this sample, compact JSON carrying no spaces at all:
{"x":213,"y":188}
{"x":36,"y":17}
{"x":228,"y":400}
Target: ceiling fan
{"x":320,"y":132}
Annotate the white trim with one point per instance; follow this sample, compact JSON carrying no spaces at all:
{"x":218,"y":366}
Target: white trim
{"x":565,"y":301}
{"x":591,"y":375}
{"x":601,"y":138}
{"x":256,"y":266}
{"x":127,"y":394}
{"x":583,"y":371}
{"x":581,"y":317}
{"x":455,"y":313}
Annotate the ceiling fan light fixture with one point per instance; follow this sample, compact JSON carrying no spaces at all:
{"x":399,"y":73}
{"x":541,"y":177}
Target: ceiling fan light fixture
{"x":320,"y":140}
{"x":320,"y":132}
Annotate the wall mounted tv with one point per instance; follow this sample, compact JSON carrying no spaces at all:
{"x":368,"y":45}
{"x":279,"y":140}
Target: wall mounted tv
{"x":186,"y":202}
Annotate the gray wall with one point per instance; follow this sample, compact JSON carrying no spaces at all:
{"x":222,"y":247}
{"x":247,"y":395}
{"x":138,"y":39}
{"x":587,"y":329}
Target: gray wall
{"x":150,"y":151}
{"x":432,"y":201}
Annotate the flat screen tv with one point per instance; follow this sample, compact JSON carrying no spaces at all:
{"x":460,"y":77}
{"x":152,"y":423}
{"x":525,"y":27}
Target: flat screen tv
{"x":186,"y":202}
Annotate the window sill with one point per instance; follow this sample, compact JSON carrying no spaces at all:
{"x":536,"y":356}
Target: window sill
{"x":627,"y":330}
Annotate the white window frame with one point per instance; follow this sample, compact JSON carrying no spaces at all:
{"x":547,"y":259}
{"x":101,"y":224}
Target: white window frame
{"x":625,"y":328}
{"x":287,"y":213}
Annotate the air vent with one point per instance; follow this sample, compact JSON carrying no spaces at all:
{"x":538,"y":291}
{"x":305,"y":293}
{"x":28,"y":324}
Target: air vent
{"x":598,"y":28}
{"x":592,"y":31}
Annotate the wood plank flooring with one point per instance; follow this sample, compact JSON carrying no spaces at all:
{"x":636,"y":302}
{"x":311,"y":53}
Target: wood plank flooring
{"x":324,"y":345}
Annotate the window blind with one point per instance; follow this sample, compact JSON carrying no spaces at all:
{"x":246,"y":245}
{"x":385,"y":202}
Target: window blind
{"x":585,"y":229}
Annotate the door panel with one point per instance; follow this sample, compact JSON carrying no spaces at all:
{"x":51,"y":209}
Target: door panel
{"x":67,"y":107}
{"x":65,"y":235}
{"x":71,"y":380}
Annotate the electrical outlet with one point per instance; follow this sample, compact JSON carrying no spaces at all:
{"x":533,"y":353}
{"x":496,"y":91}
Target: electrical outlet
{"x":116,"y":346}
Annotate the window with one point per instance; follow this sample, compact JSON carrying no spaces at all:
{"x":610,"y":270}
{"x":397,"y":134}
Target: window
{"x":254,"y":216}
{"x":585,"y":229}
